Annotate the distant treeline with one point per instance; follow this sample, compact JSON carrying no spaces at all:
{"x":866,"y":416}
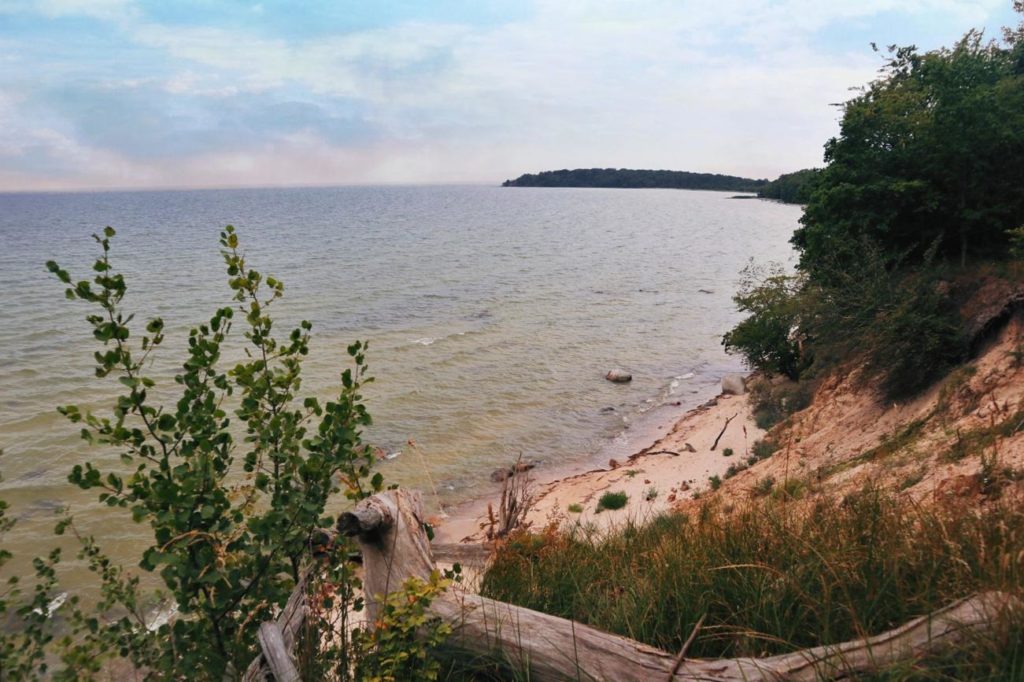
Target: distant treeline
{"x":626,"y":178}
{"x":792,"y":188}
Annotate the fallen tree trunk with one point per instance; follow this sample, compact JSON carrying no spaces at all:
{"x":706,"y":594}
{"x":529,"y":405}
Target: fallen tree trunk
{"x":395,"y":547}
{"x":553,"y":648}
{"x":277,"y":640}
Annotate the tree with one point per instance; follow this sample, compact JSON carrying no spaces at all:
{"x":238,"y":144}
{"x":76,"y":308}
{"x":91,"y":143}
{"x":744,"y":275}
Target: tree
{"x":767,"y":339}
{"x":931,"y":152}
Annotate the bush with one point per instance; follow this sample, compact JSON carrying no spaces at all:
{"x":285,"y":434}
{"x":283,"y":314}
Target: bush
{"x":763,"y":486}
{"x":610,"y":500}
{"x":233,"y":521}
{"x":734,"y":469}
{"x":774,"y":401}
{"x":918,"y":340}
{"x":767,"y":339}
{"x":763,"y":449}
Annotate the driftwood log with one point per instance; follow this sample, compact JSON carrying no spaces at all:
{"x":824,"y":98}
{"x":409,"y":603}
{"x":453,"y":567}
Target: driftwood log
{"x":277,"y":640}
{"x":395,"y":547}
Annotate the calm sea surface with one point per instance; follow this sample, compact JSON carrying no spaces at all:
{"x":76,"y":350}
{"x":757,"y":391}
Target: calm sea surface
{"x":492,"y":315}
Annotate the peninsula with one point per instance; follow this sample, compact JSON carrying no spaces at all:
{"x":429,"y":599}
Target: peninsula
{"x":636,"y":179}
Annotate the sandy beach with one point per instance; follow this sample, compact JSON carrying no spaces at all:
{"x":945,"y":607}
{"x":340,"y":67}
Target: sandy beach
{"x":655,"y":478}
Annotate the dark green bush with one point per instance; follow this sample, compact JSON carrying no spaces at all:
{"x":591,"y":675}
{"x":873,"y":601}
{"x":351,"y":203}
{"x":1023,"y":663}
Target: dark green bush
{"x":767,"y":338}
{"x":917,"y":341}
{"x":774,"y":401}
{"x":612,"y":500}
{"x":763,"y":449}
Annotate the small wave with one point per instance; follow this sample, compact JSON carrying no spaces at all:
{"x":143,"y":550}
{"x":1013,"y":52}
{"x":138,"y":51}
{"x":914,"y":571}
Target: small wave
{"x":431,"y":340}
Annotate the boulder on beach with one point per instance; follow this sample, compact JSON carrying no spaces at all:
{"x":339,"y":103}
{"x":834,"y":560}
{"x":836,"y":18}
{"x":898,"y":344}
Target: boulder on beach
{"x":618,"y":376}
{"x":734,"y":384}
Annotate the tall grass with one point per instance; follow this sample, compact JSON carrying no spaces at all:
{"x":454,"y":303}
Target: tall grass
{"x":774,"y":576}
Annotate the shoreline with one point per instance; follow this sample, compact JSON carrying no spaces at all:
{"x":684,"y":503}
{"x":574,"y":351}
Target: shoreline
{"x":667,"y":465}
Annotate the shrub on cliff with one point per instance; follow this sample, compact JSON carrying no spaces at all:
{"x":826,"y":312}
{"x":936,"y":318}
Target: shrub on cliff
{"x":767,"y":339}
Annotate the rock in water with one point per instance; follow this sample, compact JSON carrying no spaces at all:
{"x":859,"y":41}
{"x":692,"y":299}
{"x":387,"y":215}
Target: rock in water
{"x":734,"y":384}
{"x":619,"y":376}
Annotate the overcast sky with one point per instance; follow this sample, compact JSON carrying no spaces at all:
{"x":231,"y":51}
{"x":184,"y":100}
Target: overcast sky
{"x":120,"y":93}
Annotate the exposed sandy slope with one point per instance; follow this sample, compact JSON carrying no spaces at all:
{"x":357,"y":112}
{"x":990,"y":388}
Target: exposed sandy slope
{"x":847,"y":437}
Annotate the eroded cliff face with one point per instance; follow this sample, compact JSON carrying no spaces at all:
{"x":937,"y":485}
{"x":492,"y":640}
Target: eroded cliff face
{"x":962,"y":438}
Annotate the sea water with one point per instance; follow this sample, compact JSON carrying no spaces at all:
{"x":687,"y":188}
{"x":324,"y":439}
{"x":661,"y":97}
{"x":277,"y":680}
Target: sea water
{"x":491,"y":314}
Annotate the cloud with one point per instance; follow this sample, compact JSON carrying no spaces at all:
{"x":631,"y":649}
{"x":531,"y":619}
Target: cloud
{"x":732,"y":86}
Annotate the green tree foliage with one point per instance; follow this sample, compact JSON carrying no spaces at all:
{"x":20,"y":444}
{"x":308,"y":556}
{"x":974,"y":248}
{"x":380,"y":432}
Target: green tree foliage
{"x":234,"y":521}
{"x":928,"y":169}
{"x":792,"y":188}
{"x":931,"y":152}
{"x":767,"y":339}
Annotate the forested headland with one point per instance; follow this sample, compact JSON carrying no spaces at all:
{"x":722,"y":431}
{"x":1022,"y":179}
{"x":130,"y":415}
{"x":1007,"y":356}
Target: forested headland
{"x":636,"y":179}
{"x":792,"y":188}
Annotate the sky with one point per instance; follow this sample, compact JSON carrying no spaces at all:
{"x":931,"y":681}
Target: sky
{"x":200,"y":93}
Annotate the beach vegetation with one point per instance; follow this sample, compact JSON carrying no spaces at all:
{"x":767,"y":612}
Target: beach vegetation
{"x":790,"y":489}
{"x":774,"y":401}
{"x":763,"y":486}
{"x":763,"y":449}
{"x":715,"y":481}
{"x":406,"y":643}
{"x":575,"y":508}
{"x":772,"y":576}
{"x":734,"y":469}
{"x":612,"y":500}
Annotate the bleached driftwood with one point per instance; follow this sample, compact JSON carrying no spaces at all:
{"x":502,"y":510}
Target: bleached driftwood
{"x":393,"y":540}
{"x":277,"y":640}
{"x":395,"y":547}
